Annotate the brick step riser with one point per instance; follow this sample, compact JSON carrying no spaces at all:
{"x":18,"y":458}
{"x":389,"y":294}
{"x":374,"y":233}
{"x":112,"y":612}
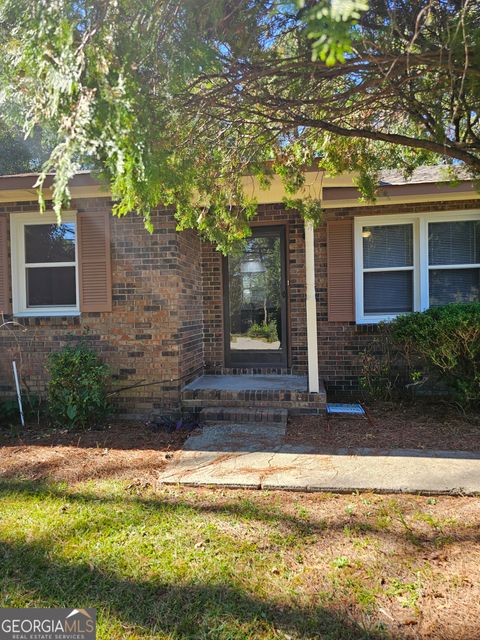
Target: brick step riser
{"x":227,"y":415}
{"x":269,"y":423}
{"x":293,"y":407}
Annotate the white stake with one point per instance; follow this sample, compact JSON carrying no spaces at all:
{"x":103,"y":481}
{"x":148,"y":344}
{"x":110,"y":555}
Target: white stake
{"x":19,"y":397}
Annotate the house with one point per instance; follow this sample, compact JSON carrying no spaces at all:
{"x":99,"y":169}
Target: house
{"x":167,"y":310}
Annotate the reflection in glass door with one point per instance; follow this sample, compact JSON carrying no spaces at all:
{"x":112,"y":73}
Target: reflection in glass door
{"x":255,"y":301}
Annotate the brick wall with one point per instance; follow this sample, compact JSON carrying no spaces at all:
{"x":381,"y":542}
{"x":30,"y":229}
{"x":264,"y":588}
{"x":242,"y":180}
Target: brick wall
{"x":154,"y":332}
{"x":190,"y":305}
{"x":167,"y":318}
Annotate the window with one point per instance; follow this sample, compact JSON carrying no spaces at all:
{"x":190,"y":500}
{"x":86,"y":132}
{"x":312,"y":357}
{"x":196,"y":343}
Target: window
{"x":44,"y":265}
{"x":453,"y":261}
{"x":388,"y":268}
{"x":408,"y":263}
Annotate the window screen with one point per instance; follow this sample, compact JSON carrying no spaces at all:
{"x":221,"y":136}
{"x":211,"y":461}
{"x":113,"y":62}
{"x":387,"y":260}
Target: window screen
{"x":388,"y":291}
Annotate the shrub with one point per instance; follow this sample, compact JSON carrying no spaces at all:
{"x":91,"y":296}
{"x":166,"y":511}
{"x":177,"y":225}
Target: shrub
{"x":77,"y":389}
{"x":381,"y":376}
{"x":267,"y":331}
{"x":444,"y":340}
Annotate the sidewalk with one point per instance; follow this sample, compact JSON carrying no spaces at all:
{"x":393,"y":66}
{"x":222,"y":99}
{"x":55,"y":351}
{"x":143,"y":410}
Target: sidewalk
{"x":255,"y":456}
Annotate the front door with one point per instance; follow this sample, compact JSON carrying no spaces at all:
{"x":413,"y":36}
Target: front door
{"x":255,"y":302}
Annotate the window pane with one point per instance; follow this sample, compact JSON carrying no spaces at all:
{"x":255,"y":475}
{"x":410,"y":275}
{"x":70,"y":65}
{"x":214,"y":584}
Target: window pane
{"x":454,"y":242}
{"x":255,"y":295}
{"x":51,"y":286}
{"x":453,"y":285}
{"x":388,"y":246}
{"x":49,"y":243}
{"x":388,"y":292}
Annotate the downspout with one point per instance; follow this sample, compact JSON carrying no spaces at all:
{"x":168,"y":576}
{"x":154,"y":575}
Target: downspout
{"x":312,"y":344}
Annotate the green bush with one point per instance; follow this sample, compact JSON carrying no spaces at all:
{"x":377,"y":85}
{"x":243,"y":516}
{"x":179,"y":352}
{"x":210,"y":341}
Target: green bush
{"x":266,"y":331}
{"x":77,"y":389}
{"x":445,"y":341}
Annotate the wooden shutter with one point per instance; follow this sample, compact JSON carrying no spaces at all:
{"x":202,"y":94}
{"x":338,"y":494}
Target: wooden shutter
{"x":5,"y":306}
{"x":340,"y":265}
{"x":94,"y":262}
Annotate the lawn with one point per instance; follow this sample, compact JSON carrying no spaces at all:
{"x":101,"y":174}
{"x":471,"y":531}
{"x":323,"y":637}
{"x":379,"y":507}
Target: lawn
{"x":177,"y":563}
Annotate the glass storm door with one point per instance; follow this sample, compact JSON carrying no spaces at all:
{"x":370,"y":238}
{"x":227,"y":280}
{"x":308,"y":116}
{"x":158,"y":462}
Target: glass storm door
{"x":255,"y":302}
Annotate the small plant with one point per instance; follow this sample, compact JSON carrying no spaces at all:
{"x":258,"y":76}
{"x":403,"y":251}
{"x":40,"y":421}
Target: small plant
{"x":77,"y":390}
{"x":9,"y":411}
{"x":408,"y":593}
{"x":266,"y":331}
{"x":341,"y":562}
{"x":380,"y":375}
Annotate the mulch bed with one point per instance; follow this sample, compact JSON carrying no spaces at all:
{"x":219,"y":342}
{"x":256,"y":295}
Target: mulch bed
{"x":133,"y":451}
{"x":395,"y":426}
{"x":118,"y":451}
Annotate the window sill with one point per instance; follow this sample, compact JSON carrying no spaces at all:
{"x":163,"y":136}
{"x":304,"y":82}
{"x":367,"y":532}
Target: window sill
{"x":47,"y":314}
{"x":378,"y":319}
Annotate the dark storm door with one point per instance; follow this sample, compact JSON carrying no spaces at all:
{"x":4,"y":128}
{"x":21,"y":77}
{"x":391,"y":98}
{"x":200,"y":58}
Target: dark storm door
{"x":255,"y":301}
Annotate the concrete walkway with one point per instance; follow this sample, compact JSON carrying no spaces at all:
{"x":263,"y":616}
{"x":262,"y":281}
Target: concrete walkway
{"x":255,"y":456}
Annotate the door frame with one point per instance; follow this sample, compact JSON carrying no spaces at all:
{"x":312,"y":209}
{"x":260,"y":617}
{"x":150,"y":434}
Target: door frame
{"x":246,"y":359}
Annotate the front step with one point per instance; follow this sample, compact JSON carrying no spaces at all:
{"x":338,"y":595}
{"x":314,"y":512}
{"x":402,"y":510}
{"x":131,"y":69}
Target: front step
{"x":259,"y":415}
{"x":253,"y":392}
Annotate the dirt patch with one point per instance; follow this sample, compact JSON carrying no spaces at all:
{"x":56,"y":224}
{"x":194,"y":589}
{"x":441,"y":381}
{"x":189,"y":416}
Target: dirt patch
{"x":118,"y":451}
{"x":393,"y":426}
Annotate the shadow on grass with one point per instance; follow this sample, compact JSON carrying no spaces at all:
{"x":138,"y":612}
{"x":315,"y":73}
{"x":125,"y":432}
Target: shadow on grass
{"x":245,"y":509}
{"x":192,"y":610}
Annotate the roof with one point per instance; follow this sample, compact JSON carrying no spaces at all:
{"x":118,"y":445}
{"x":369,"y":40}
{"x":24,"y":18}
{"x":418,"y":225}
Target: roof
{"x":426,"y":174}
{"x":424,"y":184}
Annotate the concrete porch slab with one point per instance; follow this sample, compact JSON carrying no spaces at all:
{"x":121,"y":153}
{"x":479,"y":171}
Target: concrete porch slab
{"x":249,"y":383}
{"x":242,"y":456}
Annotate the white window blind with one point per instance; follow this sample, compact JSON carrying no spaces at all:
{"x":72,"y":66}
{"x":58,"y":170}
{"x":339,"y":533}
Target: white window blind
{"x":454,"y":261}
{"x":388,"y":268}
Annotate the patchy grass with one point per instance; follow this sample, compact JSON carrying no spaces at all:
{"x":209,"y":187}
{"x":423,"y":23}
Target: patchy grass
{"x":175,"y":563}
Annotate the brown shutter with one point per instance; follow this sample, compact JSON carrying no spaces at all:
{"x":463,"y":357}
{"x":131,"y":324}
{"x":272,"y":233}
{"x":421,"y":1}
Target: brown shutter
{"x":5,"y":306}
{"x":95,"y":274}
{"x":341,"y":291}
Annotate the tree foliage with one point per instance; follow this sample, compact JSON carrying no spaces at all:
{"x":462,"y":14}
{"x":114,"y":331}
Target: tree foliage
{"x":174,"y":100}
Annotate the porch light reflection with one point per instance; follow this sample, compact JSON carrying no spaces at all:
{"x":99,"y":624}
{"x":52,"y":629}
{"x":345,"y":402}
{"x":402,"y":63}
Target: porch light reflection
{"x":252,"y":266}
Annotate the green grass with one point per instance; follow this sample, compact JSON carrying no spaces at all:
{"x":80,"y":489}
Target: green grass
{"x":217,"y":565}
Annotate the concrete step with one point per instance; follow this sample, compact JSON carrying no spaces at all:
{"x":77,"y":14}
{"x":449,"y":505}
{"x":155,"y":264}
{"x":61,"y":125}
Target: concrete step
{"x":258,"y":415}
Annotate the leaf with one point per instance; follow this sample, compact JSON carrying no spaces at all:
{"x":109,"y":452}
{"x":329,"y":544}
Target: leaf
{"x":72,"y":412}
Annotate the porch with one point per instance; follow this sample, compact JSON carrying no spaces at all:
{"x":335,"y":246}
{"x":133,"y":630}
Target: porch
{"x":252,"y":392}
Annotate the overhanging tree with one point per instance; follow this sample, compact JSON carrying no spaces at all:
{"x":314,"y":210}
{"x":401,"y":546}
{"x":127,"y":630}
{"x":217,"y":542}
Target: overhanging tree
{"x":173,"y":100}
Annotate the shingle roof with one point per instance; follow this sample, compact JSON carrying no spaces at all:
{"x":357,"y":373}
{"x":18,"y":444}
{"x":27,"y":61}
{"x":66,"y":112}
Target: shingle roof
{"x":436,"y":173}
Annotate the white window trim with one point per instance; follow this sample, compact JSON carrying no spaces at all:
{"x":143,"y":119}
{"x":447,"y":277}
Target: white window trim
{"x":421,"y":267}
{"x":17,"y":243}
